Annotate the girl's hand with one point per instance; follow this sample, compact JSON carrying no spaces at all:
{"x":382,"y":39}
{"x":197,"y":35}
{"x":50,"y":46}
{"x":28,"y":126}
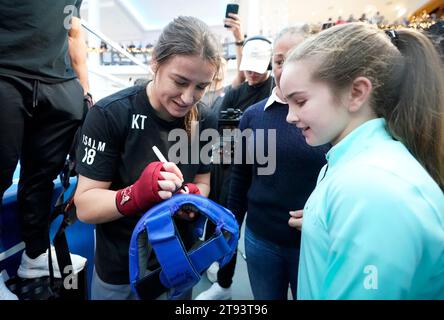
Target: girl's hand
{"x":295,"y":220}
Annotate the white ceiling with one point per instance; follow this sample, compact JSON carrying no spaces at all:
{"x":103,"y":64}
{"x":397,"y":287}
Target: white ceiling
{"x":141,"y":20}
{"x":272,"y":17}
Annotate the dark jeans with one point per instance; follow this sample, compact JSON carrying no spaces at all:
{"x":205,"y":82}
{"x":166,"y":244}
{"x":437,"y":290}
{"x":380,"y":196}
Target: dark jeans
{"x":37,"y":124}
{"x":271,"y":268}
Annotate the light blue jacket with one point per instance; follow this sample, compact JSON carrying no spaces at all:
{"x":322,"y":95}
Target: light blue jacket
{"x":373,"y":228}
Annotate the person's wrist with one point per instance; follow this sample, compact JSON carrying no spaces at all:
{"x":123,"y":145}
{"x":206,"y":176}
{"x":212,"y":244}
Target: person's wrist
{"x":192,"y":188}
{"x":123,"y":196}
{"x":239,"y":43}
{"x":143,"y":194}
{"x":88,"y":99}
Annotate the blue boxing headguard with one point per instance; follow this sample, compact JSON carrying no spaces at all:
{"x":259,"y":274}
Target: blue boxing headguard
{"x":158,"y":259}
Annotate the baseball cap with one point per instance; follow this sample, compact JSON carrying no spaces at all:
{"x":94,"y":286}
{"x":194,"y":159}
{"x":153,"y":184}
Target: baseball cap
{"x":256,"y":55}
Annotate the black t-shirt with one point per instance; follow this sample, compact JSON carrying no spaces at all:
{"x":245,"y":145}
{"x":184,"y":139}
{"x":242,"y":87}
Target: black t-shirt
{"x":240,"y":97}
{"x":34,"y":38}
{"x":117,"y":139}
{"x":243,"y":96}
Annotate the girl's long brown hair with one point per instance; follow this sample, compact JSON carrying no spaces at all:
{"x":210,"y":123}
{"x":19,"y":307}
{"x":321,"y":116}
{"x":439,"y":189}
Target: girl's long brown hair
{"x":407,"y":77}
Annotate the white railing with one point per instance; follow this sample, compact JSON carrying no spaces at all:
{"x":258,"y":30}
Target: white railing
{"x":113,"y":45}
{"x":116,"y":77}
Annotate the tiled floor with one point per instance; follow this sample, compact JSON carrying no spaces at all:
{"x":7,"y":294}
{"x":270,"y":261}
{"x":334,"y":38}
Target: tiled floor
{"x":241,"y":289}
{"x":241,"y":284}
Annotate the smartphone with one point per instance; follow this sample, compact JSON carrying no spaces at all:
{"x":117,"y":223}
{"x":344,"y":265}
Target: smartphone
{"x":231,"y":8}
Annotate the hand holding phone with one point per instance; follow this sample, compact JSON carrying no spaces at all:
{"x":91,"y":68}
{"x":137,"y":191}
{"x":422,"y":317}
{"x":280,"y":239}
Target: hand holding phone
{"x":231,"y":8}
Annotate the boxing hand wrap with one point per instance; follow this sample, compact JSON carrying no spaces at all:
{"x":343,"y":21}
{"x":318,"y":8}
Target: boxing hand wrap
{"x":143,"y":194}
{"x":192,"y":188}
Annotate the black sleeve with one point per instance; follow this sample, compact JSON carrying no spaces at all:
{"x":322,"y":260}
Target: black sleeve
{"x":77,"y":5}
{"x":98,"y":149}
{"x":229,"y":100}
{"x":241,"y":176}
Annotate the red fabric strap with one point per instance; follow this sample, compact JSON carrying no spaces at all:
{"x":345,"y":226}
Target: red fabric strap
{"x":143,"y":194}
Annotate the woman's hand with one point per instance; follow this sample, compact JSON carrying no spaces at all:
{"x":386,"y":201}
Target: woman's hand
{"x":156,"y":183}
{"x":187,"y":215}
{"x":171,"y":178}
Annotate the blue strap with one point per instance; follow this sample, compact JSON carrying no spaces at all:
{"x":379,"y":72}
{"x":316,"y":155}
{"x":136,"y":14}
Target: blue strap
{"x":209,"y":252}
{"x":181,"y":270}
{"x":171,"y":254}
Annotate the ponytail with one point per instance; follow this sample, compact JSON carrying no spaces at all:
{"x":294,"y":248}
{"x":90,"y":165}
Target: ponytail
{"x":407,"y":77}
{"x":418,"y":118}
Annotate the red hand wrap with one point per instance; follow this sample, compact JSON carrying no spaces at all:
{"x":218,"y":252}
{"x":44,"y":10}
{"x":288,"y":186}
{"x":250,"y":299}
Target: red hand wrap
{"x":192,"y":188}
{"x":143,"y":194}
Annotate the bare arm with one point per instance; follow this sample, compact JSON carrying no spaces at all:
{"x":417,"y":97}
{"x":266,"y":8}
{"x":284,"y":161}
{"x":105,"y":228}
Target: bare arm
{"x":94,"y":202}
{"x":77,"y":50}
{"x":235,"y":24}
